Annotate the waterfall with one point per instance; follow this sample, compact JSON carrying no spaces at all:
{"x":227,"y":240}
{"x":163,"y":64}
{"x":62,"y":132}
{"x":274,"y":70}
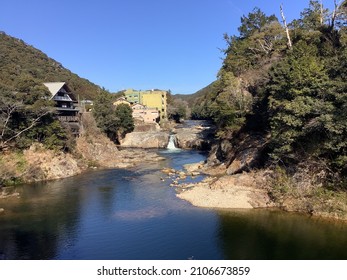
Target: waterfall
{"x":171,"y":146}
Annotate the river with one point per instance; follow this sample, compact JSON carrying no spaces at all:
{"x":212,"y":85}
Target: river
{"x":134,"y":214}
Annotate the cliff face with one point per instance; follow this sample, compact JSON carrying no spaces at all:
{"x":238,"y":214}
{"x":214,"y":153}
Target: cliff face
{"x":37,"y":164}
{"x":45,"y":164}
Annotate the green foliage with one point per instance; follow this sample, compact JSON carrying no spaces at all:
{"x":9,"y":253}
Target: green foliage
{"x":314,"y":16}
{"x":52,"y":134}
{"x":26,"y":113}
{"x":115,"y":122}
{"x":297,"y":100}
{"x":27,"y":117}
{"x":254,"y":22}
{"x":22,"y":67}
{"x":298,"y":94}
{"x":125,"y":121}
{"x":307,"y":108}
{"x":178,"y":109}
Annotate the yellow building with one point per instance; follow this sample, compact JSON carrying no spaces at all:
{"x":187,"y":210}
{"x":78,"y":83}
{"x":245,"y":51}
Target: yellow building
{"x":154,"y":99}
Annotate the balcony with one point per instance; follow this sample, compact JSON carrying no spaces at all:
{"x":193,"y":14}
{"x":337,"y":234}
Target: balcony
{"x":62,"y":98}
{"x":68,"y":118}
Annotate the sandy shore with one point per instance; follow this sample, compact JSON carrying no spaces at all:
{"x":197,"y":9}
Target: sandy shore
{"x":240,"y":191}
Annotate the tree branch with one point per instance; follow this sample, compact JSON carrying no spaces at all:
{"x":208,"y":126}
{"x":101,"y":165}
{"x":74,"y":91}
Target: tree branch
{"x":33,"y":123}
{"x":8,"y":111}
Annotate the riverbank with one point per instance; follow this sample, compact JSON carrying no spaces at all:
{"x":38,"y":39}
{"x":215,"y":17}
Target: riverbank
{"x":39,"y":164}
{"x":92,"y":150}
{"x":259,"y":189}
{"x":229,"y":192}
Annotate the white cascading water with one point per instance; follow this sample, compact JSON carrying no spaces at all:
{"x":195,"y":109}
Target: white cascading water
{"x":171,"y":146}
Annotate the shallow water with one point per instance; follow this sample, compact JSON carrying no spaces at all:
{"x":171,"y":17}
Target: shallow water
{"x":133,"y":214}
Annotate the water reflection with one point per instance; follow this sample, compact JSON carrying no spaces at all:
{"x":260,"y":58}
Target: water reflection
{"x":33,"y":223}
{"x":263,"y":234}
{"x":133,"y":214}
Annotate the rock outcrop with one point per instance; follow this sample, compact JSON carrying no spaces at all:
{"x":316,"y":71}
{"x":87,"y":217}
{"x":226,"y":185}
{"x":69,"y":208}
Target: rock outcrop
{"x":146,"y":127}
{"x":37,"y":164}
{"x":197,"y":137}
{"x":239,"y":154}
{"x":241,"y":191}
{"x":146,"y":140}
{"x":46,"y":164}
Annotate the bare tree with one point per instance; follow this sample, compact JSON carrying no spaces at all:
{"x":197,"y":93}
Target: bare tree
{"x":339,"y":10}
{"x":289,"y":43}
{"x":7,"y":111}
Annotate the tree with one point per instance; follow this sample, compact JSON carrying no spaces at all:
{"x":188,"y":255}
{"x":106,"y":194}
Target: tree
{"x":178,"y":110}
{"x":261,"y":38}
{"x":103,"y":112}
{"x":115,"y":122}
{"x":21,"y":113}
{"x":255,"y":21}
{"x":289,"y":43}
{"x":339,"y":15}
{"x":313,"y":17}
{"x":299,"y":103}
{"x":125,"y":121}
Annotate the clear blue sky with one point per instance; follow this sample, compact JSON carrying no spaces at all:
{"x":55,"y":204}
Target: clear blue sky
{"x":141,"y":44}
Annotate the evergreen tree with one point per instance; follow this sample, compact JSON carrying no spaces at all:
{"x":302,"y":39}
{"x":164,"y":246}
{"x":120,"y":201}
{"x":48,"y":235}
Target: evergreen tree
{"x":125,"y":121}
{"x":115,"y":122}
{"x":300,"y":104}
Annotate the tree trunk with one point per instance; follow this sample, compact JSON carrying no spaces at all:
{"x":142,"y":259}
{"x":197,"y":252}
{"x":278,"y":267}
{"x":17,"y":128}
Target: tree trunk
{"x":289,"y":43}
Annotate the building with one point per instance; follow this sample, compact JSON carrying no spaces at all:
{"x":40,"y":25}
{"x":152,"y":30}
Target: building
{"x":133,"y":96}
{"x":154,"y":99}
{"x":145,"y":114}
{"x":121,"y":100}
{"x":66,"y":104}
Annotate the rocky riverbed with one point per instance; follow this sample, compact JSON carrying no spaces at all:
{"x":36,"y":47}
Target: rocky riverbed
{"x":240,"y":191}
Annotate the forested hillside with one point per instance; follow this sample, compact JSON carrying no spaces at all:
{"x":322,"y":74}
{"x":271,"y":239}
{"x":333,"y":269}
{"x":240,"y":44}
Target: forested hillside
{"x":21,"y":63}
{"x":26,"y":114}
{"x":286,"y":82}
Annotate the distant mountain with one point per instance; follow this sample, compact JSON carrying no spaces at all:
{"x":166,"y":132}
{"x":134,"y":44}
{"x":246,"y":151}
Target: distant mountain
{"x":19,"y":61}
{"x":199,"y":95}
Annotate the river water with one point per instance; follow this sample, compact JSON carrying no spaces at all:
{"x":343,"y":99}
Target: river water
{"x":134,"y":214}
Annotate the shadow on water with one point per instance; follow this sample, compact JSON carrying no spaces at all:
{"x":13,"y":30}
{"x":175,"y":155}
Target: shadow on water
{"x":32,"y":224}
{"x":273,"y":234}
{"x":134,"y":214}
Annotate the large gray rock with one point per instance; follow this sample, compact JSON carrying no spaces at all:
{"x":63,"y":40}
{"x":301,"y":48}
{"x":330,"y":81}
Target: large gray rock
{"x":146,"y":127}
{"x":146,"y":140}
{"x":198,"y":138}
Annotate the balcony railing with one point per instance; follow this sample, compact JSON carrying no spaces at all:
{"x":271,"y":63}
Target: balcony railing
{"x":68,"y":118}
{"x":62,"y":98}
